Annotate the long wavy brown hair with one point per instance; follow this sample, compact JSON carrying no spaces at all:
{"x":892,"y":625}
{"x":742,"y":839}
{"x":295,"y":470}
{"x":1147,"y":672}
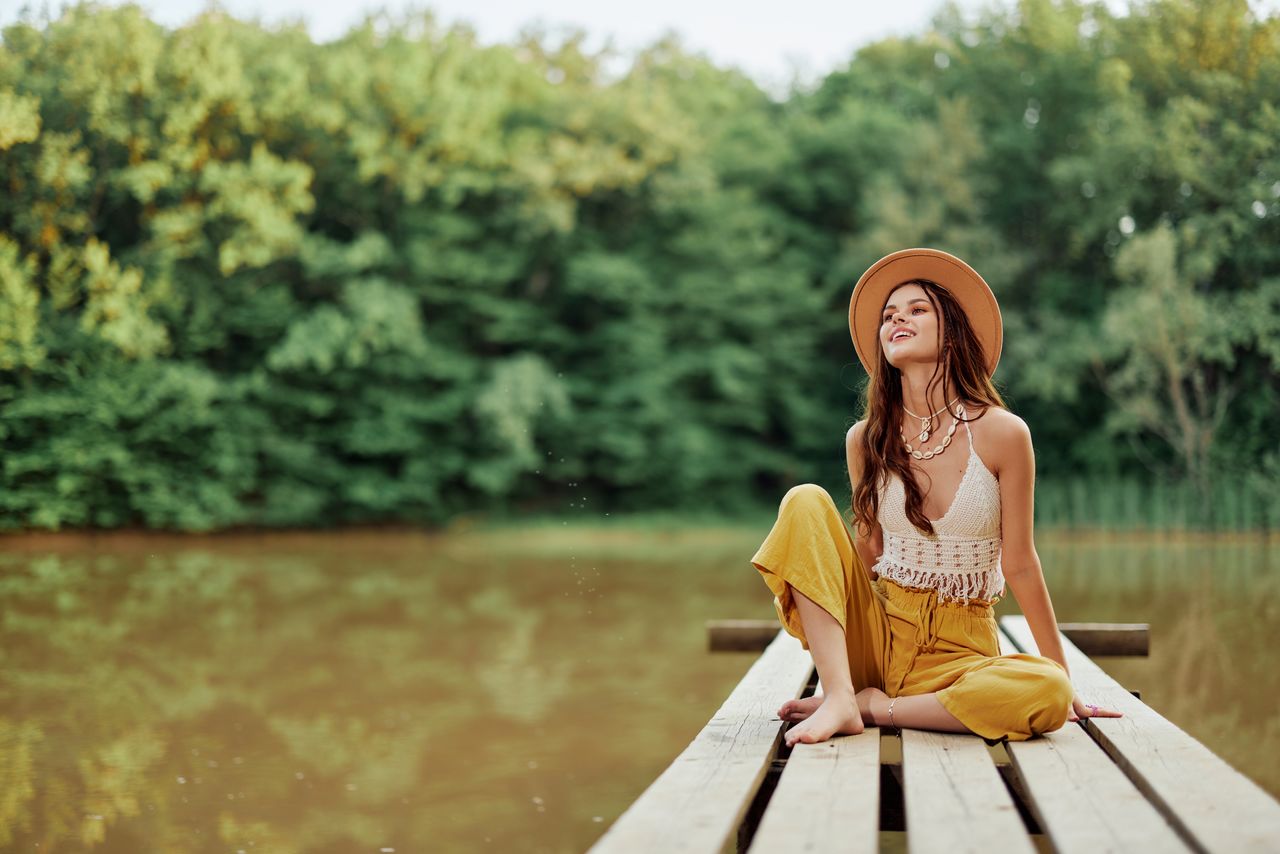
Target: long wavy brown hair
{"x":962,"y":372}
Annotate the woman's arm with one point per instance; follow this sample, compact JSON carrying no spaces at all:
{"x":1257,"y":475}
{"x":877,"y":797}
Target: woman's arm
{"x":1018,"y":556}
{"x":1021,"y":564}
{"x":868,"y":549}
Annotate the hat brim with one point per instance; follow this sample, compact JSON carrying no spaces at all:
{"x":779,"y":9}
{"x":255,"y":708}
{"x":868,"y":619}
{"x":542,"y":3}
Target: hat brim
{"x":961,"y":280}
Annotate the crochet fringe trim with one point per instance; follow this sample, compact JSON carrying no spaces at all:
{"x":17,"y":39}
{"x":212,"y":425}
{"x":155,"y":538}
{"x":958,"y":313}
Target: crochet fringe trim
{"x":951,"y":586}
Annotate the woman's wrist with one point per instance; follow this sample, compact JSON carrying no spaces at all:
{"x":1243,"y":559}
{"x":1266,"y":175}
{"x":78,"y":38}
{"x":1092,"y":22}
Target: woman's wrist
{"x":880,"y":711}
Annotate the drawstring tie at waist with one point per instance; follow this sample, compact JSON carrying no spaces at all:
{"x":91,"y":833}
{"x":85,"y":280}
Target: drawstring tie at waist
{"x":926,"y":638}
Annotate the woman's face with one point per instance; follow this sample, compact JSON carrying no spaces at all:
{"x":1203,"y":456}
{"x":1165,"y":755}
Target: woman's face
{"x":909,"y":327}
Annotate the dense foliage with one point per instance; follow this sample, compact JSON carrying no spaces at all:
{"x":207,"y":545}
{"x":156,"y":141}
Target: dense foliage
{"x":250,"y":279}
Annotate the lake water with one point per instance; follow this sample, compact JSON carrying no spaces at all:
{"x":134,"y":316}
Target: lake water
{"x":505,"y":690}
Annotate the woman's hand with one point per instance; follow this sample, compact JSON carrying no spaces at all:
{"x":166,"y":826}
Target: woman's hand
{"x":1081,"y":709}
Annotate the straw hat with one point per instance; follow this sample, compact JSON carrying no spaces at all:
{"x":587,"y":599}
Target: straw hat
{"x":961,"y":280}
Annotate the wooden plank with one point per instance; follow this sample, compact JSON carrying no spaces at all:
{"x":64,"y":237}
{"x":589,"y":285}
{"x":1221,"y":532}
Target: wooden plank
{"x":827,"y":798}
{"x":1109,"y":638}
{"x":1212,"y":806}
{"x":1079,"y":797}
{"x":696,"y":804}
{"x":740,"y":635}
{"x":1091,"y":638}
{"x":954,"y":797}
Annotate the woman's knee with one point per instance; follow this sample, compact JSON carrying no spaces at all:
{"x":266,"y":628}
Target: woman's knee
{"x":1053,"y":696}
{"x":806,"y":495}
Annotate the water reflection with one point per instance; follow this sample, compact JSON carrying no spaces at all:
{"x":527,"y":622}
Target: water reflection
{"x":1213,"y":602}
{"x":315,"y":693}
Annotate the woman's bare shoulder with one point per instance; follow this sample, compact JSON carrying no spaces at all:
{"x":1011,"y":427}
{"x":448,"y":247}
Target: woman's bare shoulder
{"x":853,"y":446}
{"x":1003,"y":422}
{"x":1000,"y":437}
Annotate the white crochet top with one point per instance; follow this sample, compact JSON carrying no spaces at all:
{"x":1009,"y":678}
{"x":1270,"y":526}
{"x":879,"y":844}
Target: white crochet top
{"x":962,"y":560}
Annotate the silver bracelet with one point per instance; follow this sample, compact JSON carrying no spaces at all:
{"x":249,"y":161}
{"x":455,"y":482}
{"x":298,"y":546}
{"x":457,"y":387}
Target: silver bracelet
{"x":891,"y":723}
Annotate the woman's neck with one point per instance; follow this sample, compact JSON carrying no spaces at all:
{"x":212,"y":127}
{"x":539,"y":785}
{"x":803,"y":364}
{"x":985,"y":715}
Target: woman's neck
{"x":915,"y":379}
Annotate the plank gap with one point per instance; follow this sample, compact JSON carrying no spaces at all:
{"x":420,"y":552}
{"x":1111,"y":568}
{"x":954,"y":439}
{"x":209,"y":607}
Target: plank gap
{"x":755,"y":812}
{"x":1190,"y":792}
{"x":1140,"y":782}
{"x":1018,"y":791}
{"x":892,"y":813}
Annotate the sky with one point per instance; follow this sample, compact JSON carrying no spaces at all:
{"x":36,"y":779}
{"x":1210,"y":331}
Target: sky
{"x":769,"y":41}
{"x":766,"y":40}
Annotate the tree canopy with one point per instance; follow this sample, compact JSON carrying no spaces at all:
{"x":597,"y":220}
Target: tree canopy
{"x":250,"y":279}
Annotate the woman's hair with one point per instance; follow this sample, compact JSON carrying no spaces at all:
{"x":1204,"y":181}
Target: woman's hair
{"x":962,"y":372}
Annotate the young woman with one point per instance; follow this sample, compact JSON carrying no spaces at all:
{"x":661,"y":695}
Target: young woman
{"x":900,"y":622}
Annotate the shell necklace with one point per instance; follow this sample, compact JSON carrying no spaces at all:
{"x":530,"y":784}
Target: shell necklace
{"x":958,"y":412}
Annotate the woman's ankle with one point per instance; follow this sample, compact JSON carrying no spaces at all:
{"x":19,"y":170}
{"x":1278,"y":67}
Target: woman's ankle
{"x":844,"y":695}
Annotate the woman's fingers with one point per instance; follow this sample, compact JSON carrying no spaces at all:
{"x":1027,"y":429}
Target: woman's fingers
{"x":1080,"y":709}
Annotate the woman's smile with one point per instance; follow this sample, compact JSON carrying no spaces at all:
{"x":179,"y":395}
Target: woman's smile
{"x":906,"y":315}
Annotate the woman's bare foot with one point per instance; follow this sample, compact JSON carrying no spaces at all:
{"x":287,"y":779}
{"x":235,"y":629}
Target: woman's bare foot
{"x":837,"y":714}
{"x":799,"y":710}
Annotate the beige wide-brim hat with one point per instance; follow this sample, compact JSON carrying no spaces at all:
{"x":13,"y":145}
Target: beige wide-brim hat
{"x":961,"y":280}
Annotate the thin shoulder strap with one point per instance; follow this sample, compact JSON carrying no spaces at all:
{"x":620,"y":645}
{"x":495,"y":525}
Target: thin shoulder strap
{"x":966,"y":427}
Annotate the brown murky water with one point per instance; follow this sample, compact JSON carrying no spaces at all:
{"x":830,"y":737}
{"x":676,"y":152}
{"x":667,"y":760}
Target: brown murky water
{"x":479,"y":691}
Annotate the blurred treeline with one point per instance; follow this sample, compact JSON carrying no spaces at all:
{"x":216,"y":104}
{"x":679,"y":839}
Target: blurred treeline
{"x":250,"y":279}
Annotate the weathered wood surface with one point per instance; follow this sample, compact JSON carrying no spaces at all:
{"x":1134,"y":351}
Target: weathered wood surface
{"x":1105,"y":784}
{"x":827,"y":798}
{"x":697,"y":803}
{"x":740,"y":635}
{"x":1213,"y":806}
{"x":1109,"y":638}
{"x":1091,"y":638}
{"x":954,"y":797}
{"x":1080,"y":798}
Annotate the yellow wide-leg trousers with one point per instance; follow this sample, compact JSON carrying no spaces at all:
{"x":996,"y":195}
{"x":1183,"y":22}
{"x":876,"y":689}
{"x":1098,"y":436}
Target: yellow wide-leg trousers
{"x":902,"y":640}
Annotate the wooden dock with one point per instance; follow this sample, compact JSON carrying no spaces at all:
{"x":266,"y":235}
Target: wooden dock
{"x":1135,"y":783}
